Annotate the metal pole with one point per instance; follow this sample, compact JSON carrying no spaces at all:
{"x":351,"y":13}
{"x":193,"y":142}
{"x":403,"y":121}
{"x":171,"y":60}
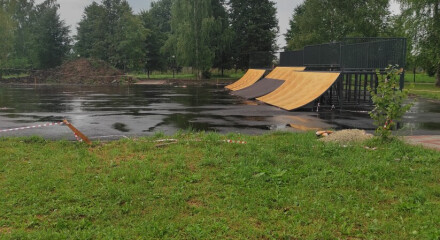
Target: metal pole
{"x":402,"y":80}
{"x":414,"y":72}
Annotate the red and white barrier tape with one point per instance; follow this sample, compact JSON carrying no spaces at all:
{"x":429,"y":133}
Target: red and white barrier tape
{"x":235,"y":142}
{"x":77,"y":138}
{"x":31,"y":127}
{"x":80,"y":140}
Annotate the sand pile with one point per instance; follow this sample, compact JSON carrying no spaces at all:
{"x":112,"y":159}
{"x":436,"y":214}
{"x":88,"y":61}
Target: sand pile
{"x":346,"y":136}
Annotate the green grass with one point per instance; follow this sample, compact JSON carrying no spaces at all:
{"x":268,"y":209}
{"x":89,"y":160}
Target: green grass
{"x":278,"y":186}
{"x":15,"y":76}
{"x":228,"y":75}
{"x":165,"y":76}
{"x":420,"y":78}
{"x":423,"y":87}
{"x":424,"y":90}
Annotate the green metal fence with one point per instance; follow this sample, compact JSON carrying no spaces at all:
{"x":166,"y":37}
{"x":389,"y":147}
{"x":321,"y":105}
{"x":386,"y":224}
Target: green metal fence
{"x":292,"y":58}
{"x":323,"y":55}
{"x":350,"y":54}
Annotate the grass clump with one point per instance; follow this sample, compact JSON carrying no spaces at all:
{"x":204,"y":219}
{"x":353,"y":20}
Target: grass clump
{"x":277,"y":186}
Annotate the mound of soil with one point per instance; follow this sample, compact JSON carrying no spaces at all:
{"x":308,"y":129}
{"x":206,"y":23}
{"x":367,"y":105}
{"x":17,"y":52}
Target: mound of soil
{"x":82,"y":71}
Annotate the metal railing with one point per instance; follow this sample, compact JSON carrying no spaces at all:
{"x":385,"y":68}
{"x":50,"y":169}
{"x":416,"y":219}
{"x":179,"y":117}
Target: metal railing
{"x":327,"y":55}
{"x":377,"y":54}
{"x":292,"y":58}
{"x":350,"y":54}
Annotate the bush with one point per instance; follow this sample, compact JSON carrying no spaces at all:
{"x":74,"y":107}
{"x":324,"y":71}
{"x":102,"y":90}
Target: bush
{"x":388,"y":101}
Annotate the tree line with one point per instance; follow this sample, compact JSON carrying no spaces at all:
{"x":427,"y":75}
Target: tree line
{"x":32,"y":35}
{"x":205,"y":34}
{"x":202,"y":34}
{"x":320,"y":21}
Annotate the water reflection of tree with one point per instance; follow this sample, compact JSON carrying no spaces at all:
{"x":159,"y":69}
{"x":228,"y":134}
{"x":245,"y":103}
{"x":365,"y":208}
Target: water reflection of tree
{"x":194,"y":96}
{"x":27,"y":100}
{"x":186,"y":122}
{"x":61,"y":99}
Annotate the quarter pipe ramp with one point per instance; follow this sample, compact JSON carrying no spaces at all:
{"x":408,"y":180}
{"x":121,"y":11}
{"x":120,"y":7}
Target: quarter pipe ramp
{"x":300,"y":88}
{"x":251,"y":76}
{"x":272,"y":81}
{"x":282,"y":73}
{"x":260,"y":88}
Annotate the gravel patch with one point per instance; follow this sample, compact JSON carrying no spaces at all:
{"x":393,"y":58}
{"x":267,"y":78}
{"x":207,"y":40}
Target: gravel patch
{"x":346,"y":136}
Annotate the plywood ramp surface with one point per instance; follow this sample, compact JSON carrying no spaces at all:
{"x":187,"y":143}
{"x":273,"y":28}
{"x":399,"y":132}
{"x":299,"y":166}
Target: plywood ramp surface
{"x":260,"y":88}
{"x":251,"y":77}
{"x":282,"y":73}
{"x":300,"y":89}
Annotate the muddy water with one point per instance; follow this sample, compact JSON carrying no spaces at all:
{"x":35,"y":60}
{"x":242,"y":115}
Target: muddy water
{"x":114,"y":112}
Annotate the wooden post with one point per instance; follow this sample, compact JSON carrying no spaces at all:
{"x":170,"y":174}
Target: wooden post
{"x":77,"y":132}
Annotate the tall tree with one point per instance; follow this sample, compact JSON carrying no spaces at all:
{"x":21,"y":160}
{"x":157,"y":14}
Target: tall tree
{"x":7,"y":36}
{"x":294,"y":32}
{"x":424,"y":19}
{"x":22,"y":13}
{"x":318,"y":21}
{"x":222,"y":44}
{"x":157,"y":20}
{"x":129,"y":39}
{"x":255,"y":28}
{"x":111,"y":32}
{"x":192,"y":24}
{"x":91,"y":33}
{"x":50,"y":36}
{"x":41,"y":39}
{"x":401,"y":27}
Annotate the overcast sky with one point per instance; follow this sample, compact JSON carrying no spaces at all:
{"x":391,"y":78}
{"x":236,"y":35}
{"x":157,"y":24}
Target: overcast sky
{"x":71,"y":11}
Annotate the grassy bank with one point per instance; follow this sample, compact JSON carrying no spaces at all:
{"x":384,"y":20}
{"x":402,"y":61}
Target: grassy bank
{"x":229,"y":75}
{"x":424,"y":86}
{"x":277,"y":186}
{"x":20,"y":75}
{"x":425,"y":91}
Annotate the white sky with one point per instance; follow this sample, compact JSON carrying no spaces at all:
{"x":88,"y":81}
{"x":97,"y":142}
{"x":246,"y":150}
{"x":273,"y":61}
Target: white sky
{"x":71,"y":12}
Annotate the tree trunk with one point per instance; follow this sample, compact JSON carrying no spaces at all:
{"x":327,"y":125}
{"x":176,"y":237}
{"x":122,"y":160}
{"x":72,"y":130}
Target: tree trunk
{"x":414,"y":72}
{"x":437,"y":26}
{"x":437,"y":84}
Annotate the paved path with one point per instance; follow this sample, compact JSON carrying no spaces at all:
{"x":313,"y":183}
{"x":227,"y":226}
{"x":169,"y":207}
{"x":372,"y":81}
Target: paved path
{"x":432,"y":141}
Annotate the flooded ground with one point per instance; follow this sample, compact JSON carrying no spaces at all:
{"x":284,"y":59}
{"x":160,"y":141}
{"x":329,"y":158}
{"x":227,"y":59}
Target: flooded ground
{"x":113,"y":112}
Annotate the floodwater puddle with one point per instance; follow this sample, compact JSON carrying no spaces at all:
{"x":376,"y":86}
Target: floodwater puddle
{"x":120,"y":127}
{"x":145,"y":109}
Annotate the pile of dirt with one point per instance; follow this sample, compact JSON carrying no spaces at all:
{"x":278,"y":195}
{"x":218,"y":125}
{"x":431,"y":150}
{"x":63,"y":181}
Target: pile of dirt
{"x":82,"y":71}
{"x":347,"y":136}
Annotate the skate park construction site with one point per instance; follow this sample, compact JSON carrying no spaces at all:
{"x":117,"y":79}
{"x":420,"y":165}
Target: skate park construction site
{"x":320,"y":87}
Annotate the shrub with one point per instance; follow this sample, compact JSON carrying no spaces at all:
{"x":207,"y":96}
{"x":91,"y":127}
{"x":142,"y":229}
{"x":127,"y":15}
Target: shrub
{"x":388,"y":101}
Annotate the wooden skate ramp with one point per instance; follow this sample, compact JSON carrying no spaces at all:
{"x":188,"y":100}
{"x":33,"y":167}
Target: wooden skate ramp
{"x":267,"y":85}
{"x":300,"y":88}
{"x":260,"y":88}
{"x":282,"y":73}
{"x":251,"y":77}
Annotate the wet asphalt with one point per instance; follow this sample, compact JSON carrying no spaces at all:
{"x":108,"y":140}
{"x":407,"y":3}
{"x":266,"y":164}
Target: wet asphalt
{"x":106,"y":112}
